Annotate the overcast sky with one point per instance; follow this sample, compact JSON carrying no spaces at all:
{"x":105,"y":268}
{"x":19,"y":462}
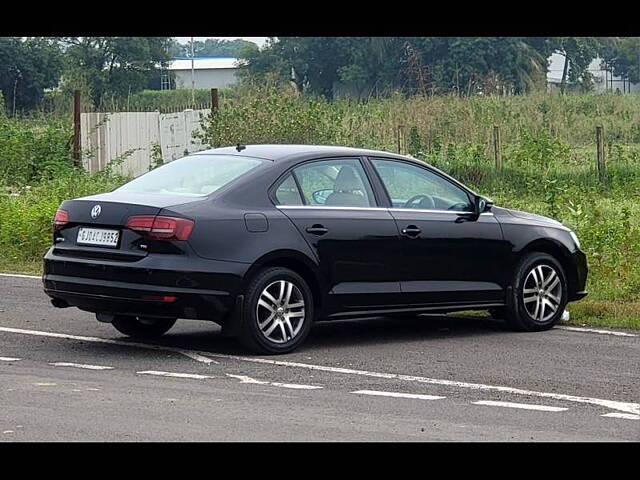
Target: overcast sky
{"x":258,"y":40}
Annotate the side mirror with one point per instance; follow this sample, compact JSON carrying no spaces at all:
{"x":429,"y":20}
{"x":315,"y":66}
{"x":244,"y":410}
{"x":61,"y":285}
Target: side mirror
{"x":483,"y":205}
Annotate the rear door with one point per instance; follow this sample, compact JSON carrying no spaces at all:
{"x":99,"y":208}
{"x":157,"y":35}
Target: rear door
{"x":449,"y":257}
{"x":332,"y":204}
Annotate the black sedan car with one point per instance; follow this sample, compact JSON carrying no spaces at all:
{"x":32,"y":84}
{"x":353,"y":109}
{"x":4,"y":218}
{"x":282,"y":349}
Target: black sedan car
{"x":266,"y":239}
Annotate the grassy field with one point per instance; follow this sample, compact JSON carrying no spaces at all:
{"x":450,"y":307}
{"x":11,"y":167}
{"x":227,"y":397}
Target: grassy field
{"x":548,"y":153}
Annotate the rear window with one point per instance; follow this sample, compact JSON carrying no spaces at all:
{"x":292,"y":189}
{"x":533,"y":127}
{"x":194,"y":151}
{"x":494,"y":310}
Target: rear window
{"x":192,"y":175}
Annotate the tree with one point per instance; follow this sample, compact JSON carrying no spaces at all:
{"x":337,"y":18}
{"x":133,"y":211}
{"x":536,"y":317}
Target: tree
{"x":214,"y":47}
{"x":114,"y":65}
{"x":464,"y":65}
{"x":27,"y":68}
{"x":622,"y":55}
{"x":578,"y":53}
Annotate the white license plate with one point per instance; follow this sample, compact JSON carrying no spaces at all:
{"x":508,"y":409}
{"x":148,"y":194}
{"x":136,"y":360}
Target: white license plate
{"x":98,"y":236}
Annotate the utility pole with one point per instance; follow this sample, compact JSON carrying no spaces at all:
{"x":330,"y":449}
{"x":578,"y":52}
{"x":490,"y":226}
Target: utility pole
{"x":193,"y":81}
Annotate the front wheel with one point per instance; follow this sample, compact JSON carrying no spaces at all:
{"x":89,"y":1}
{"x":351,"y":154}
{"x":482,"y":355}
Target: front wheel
{"x":278,"y":312}
{"x":142,"y":327}
{"x":538,"y":294}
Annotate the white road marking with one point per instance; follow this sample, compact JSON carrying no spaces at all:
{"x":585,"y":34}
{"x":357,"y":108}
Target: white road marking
{"x":19,"y":275}
{"x":188,"y":353}
{"x":398,"y":395}
{"x":172,"y":374}
{"x":295,"y":386}
{"x":627,"y":416}
{"x":627,"y":407}
{"x":594,"y":330}
{"x":198,"y":357}
{"x":9,"y":359}
{"x":81,"y":365}
{"x":524,"y":406}
{"x":45,"y":384}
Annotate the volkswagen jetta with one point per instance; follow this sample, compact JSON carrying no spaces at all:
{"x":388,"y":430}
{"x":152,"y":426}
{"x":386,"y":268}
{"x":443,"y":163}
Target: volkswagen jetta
{"x":267,"y":239}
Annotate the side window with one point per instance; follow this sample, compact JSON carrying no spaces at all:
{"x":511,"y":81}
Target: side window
{"x":410,"y":186}
{"x":339,"y":182}
{"x":288,"y":193}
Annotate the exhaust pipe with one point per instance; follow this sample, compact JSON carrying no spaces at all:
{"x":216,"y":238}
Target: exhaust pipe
{"x":59,"y":303}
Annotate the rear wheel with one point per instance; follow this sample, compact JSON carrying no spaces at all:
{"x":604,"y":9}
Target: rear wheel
{"x":277,"y":310}
{"x":539,"y":293}
{"x":142,"y":327}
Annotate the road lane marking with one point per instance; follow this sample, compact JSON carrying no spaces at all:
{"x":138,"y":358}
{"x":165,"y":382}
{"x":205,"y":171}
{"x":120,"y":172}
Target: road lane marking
{"x":594,"y":330}
{"x":197,"y":357}
{"x":188,"y":353}
{"x":627,"y":407}
{"x":19,"y":275}
{"x":9,"y":359}
{"x":81,"y":365}
{"x":398,"y":395}
{"x":173,"y":374}
{"x":523,"y":406}
{"x":294,"y":386}
{"x":627,"y":416}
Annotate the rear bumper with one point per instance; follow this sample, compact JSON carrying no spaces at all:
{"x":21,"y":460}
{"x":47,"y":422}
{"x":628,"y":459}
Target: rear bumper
{"x":203,"y":289}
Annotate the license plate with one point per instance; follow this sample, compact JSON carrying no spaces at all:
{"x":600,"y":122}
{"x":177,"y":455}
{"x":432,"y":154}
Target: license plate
{"x":98,"y":236}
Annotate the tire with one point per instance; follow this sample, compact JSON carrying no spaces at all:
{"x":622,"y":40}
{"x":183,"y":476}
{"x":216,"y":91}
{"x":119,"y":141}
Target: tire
{"x":270,"y":323}
{"x":538,"y":297}
{"x":142,"y":327}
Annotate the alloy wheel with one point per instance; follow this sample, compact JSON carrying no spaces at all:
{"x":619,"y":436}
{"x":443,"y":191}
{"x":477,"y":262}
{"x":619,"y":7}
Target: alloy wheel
{"x":280,"y":311}
{"x":542,"y":293}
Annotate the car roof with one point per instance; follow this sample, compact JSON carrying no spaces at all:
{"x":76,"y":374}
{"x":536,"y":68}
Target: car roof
{"x":285,"y":152}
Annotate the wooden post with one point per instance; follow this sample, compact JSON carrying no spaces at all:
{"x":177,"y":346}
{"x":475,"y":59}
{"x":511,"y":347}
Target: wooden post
{"x":214,"y":100}
{"x":76,"y":128}
{"x":400,"y":138}
{"x":497,"y":147}
{"x":602,"y":172}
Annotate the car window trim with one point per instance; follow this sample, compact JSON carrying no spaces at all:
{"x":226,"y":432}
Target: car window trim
{"x":467,"y":192}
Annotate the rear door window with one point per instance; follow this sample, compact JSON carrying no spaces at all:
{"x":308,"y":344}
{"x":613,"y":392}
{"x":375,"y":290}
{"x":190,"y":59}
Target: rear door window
{"x":339,"y":182}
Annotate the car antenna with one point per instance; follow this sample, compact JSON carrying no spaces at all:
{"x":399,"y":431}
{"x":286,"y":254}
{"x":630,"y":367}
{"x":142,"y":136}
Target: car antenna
{"x":240,"y":147}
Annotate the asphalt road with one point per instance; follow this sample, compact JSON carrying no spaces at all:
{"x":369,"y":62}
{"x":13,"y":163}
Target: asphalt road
{"x":66,"y":377}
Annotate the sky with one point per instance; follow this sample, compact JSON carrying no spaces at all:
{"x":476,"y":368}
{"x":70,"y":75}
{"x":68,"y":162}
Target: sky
{"x":258,"y":40}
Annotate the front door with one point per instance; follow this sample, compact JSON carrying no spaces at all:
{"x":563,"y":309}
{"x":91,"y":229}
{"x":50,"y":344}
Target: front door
{"x":333,"y":206}
{"x":449,"y":257}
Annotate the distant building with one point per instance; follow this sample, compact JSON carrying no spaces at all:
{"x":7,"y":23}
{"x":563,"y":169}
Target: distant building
{"x":603,"y":80}
{"x":208,"y":72}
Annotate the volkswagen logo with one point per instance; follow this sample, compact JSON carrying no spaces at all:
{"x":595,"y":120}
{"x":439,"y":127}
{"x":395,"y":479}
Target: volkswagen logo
{"x":95,"y":211}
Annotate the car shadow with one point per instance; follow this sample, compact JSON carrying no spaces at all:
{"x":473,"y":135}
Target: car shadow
{"x":206,"y":337}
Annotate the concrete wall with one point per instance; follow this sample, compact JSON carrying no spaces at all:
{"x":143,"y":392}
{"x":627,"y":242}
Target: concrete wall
{"x":107,"y":136}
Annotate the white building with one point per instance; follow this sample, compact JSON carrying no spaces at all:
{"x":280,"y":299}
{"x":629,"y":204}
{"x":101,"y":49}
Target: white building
{"x":208,"y":72}
{"x":603,"y":80}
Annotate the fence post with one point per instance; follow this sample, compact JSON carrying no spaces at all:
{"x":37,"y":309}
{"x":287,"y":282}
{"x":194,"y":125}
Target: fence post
{"x":400,"y":138}
{"x":214,"y":100}
{"x":602,"y":172}
{"x":497,"y":147}
{"x":76,"y":127}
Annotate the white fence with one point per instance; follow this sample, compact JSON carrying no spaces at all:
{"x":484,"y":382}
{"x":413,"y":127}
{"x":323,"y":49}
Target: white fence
{"x":132,"y":135}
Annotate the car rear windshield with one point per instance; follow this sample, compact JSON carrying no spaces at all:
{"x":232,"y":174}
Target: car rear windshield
{"x":193,"y":175}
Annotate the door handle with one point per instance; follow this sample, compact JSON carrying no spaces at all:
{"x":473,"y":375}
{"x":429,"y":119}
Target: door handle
{"x":411,"y":231}
{"x":317,"y":229}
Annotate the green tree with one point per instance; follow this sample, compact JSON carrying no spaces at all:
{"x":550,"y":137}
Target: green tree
{"x":578,"y":53}
{"x":28,"y":67}
{"x":116,"y":66}
{"x":622,"y":55}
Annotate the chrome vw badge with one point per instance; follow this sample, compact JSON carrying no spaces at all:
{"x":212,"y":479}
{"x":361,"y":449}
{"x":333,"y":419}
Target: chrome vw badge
{"x":95,"y":211}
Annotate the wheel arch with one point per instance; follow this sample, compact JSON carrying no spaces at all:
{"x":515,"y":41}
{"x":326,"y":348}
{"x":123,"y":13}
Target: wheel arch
{"x":558,"y":251}
{"x":297,"y":262}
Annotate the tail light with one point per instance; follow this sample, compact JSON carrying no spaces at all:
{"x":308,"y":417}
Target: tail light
{"x":161,"y":228}
{"x":60,"y":220}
